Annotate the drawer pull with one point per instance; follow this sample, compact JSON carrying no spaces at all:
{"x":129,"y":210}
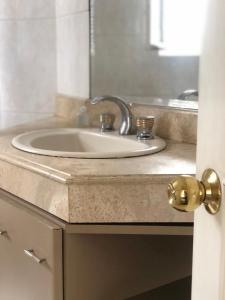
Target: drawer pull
{"x":2,"y":232}
{"x":31,"y":254}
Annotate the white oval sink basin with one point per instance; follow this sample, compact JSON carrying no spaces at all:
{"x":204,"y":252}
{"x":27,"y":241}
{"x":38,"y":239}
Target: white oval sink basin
{"x":84,"y":143}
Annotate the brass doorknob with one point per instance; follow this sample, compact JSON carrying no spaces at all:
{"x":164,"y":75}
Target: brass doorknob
{"x":187,"y":193}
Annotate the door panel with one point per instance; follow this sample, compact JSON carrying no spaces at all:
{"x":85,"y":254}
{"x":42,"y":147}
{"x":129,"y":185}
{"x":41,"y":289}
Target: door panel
{"x":209,"y":232}
{"x":21,"y":276}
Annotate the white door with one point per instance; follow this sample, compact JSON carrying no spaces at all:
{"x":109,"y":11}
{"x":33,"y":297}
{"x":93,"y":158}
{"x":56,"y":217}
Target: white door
{"x":209,"y":233}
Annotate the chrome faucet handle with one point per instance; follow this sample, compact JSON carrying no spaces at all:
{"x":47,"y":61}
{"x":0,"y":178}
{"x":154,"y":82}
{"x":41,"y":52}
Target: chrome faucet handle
{"x":107,"y":121}
{"x":187,"y":94}
{"x":126,"y":114}
{"x":144,"y":127}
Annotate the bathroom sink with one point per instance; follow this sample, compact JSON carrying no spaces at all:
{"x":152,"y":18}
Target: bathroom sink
{"x":84,"y":143}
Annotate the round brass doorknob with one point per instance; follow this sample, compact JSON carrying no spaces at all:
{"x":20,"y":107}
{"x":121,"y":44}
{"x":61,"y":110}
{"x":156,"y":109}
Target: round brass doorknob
{"x":187,"y":193}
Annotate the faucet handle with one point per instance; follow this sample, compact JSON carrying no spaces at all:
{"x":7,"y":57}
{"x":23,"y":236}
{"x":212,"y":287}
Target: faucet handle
{"x":187,"y":94}
{"x":107,"y":121}
{"x":144,"y":127}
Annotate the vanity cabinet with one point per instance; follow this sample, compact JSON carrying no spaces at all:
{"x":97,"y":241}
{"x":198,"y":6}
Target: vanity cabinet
{"x":84,"y":261}
{"x":26,"y":237}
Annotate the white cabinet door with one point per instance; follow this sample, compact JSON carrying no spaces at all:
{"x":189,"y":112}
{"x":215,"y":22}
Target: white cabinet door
{"x":22,"y":276}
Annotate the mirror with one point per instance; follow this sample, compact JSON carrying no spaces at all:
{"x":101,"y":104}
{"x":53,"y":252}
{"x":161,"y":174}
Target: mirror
{"x":147,"y":50}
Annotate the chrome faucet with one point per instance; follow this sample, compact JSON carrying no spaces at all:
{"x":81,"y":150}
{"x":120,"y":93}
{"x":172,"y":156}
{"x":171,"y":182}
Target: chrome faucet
{"x":186,"y":94}
{"x":126,"y":114}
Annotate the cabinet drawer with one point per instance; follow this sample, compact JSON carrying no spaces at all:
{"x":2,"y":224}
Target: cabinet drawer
{"x":27,"y":236}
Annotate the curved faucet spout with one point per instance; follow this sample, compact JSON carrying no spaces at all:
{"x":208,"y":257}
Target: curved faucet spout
{"x":126,"y":115}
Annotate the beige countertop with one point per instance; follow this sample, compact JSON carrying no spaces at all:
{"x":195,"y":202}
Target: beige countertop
{"x":95,"y":190}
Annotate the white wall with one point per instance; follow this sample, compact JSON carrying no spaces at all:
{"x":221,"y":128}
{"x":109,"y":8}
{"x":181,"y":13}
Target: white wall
{"x":73,"y":47}
{"x":27,"y":60}
{"x":44,"y":49}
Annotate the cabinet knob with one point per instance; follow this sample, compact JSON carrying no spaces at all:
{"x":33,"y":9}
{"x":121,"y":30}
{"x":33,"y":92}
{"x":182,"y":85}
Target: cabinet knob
{"x":187,"y":193}
{"x":31,"y":254}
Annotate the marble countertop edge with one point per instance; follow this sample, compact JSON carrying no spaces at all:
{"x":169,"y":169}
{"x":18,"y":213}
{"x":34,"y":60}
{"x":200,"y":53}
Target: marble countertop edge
{"x":95,"y":190}
{"x":68,"y":179}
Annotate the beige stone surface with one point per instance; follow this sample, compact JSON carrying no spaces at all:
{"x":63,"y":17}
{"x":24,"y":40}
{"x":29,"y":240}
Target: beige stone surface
{"x":123,"y":202}
{"x":95,"y":190}
{"x":173,"y":124}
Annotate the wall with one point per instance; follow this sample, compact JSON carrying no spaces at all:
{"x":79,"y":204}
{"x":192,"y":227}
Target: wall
{"x":123,"y":62}
{"x":44,"y":49}
{"x":73,"y":47}
{"x":27,"y":60}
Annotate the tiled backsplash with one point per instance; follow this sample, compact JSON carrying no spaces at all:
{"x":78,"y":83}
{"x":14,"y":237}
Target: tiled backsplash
{"x":27,"y":60}
{"x":171,"y":124}
{"x":44,"y":49}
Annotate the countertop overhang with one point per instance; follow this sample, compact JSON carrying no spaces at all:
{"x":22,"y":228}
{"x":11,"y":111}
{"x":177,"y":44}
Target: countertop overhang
{"x":127,"y":190}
